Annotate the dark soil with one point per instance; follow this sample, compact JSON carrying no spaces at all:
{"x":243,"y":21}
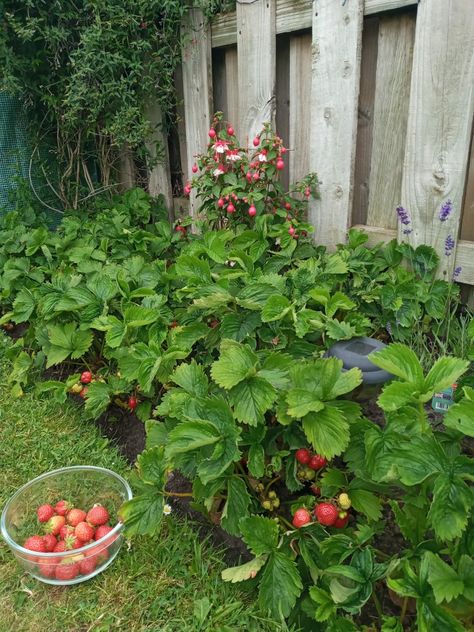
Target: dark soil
{"x":125,"y":430}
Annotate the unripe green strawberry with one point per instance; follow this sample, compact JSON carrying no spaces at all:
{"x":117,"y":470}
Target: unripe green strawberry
{"x":272,"y":495}
{"x":276,"y":503}
{"x":267,"y":505}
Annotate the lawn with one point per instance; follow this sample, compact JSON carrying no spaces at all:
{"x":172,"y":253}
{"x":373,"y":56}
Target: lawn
{"x":163,"y":584}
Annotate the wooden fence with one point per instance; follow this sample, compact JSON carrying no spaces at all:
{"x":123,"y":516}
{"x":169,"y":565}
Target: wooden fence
{"x":376,"y":96}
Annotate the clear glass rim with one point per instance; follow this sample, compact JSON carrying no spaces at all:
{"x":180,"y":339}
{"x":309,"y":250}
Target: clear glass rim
{"x":73,"y":468}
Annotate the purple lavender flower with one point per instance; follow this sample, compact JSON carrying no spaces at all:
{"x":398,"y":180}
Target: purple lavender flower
{"x":449,"y":244}
{"x":445,"y":210}
{"x":403,"y":215}
{"x":407,"y":231}
{"x":457,"y":272}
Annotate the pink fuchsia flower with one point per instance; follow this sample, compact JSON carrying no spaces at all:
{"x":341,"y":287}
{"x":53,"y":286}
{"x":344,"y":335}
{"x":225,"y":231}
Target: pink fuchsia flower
{"x":262,"y":157}
{"x":219,"y":171}
{"x":233,"y":155}
{"x":220,"y":146}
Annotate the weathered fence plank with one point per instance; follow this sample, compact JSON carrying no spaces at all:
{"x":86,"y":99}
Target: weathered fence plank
{"x":232,"y":88}
{"x":197,"y":87}
{"x":126,"y":168}
{"x":439,"y":122}
{"x":392,"y":94}
{"x":334,"y":100}
{"x":467,"y":227}
{"x":300,"y":105}
{"x":159,"y":175}
{"x":378,"y":6}
{"x":256,"y":50}
{"x":282,"y":92}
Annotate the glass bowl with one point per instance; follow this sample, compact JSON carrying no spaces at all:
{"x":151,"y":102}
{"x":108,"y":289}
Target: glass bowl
{"x":84,"y":486}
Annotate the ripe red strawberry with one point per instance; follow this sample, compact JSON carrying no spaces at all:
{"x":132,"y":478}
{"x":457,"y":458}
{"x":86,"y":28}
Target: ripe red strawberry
{"x":66,"y":530}
{"x":317,"y":462}
{"x":132,"y":402}
{"x":60,"y":547}
{"x":84,"y":531}
{"x":67,"y":570}
{"x":97,"y":515}
{"x":83,"y":392}
{"x":47,"y":566}
{"x":62,"y":507}
{"x":315,"y":490}
{"x":86,"y":377}
{"x":288,"y":206}
{"x":301,"y":517}
{"x":102,"y":531}
{"x":341,"y":522}
{"x":35,"y":543}
{"x":75,"y":516}
{"x":54,"y":524}
{"x":303,"y":456}
{"x":44,"y":513}
{"x":87,"y":565}
{"x":50,"y":542}
{"x":326,"y":514}
{"x":99,"y":553}
{"x":72,"y":542}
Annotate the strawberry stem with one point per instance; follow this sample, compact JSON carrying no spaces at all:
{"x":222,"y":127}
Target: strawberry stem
{"x":179,"y":494}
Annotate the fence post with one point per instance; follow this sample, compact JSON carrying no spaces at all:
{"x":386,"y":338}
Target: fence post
{"x":256,"y":50}
{"x":197,"y":87}
{"x":337,"y":34}
{"x":439,"y":123}
{"x":159,"y":176}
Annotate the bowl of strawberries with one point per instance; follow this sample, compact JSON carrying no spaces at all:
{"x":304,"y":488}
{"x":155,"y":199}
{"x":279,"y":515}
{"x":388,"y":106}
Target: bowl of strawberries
{"x":63,"y":526}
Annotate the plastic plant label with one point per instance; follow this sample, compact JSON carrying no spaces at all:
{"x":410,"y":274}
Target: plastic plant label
{"x":444,"y":399}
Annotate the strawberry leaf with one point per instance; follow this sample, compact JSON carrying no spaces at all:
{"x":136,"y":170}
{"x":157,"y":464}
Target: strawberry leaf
{"x":259,"y":534}
{"x":236,"y":362}
{"x":444,"y":580}
{"x":460,"y":417}
{"x":244,"y":571}
{"x":452,"y":502}
{"x":275,"y":308}
{"x":251,"y":398}
{"x":236,"y":506}
{"x":327,"y":431}
{"x":444,"y":373}
{"x":401,"y":361}
{"x":280,"y":585}
{"x":192,"y":378}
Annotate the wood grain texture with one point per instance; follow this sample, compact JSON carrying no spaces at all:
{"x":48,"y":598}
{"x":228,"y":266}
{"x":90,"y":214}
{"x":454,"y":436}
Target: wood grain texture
{"x":256,"y":50}
{"x":467,"y":225}
{"x":232,"y":88}
{"x":334,"y":101}
{"x":181,"y":124}
{"x":159,"y":175}
{"x":439,"y":122}
{"x":365,"y":120}
{"x":392,"y":95}
{"x":464,"y":256}
{"x":127,"y":176}
{"x":197,"y":87}
{"x":282,"y":116}
{"x":300,"y":105}
{"x":293,"y":15}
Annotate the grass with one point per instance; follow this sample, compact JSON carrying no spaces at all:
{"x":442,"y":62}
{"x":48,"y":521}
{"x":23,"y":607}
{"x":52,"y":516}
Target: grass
{"x":163,"y":584}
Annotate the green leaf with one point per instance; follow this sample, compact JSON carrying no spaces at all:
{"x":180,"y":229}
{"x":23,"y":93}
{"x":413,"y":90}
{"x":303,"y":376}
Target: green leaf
{"x":326,"y":606}
{"x":367,"y":503}
{"x":256,"y":460}
{"x":275,"y":308}
{"x":339,"y":330}
{"x":275,"y":369}
{"x":236,"y":506}
{"x":411,"y":521}
{"x":452,"y":502}
{"x":460,"y":417}
{"x":143,"y":514}
{"x":192,"y":378}
{"x":396,"y":395}
{"x":66,"y":340}
{"x":444,"y":373}
{"x":152,"y":466}
{"x":236,"y":362}
{"x":251,"y":398}
{"x":244,"y":571}
{"x":280,"y":585}
{"x":189,"y":436}
{"x":466,"y":573}
{"x":23,"y":306}
{"x":327,"y":431}
{"x":115,"y":333}
{"x":97,"y":399}
{"x":138,"y":316}
{"x":237,"y":326}
{"x":259,"y":534}
{"x":401,"y":361}
{"x":301,"y":402}
{"x":186,"y":337}
{"x":444,"y":580}
{"x":345,"y":383}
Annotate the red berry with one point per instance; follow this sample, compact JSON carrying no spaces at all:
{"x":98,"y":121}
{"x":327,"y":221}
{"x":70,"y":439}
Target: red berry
{"x":86,"y":377}
{"x":73,"y":542}
{"x":288,"y":206}
{"x":132,"y":402}
{"x":54,"y":524}
{"x":67,"y":570}
{"x":60,"y":547}
{"x":102,"y":531}
{"x":230,"y":208}
{"x":35,"y":543}
{"x":252,"y":211}
{"x":256,"y":176}
{"x":317,"y":462}
{"x":248,"y":175}
{"x":301,"y":517}
{"x":83,"y":393}
{"x":87,"y":565}
{"x":340,"y":523}
{"x":47,"y":566}
{"x":75,"y":516}
{"x":194,"y":169}
{"x":50,"y":542}
{"x":180,"y":229}
{"x":283,"y":150}
{"x":187,"y":189}
{"x":315,"y":490}
{"x":212,"y":133}
{"x":44,"y":513}
{"x":280,"y":164}
{"x":100,"y":553}
{"x":326,"y":514}
{"x":65,"y":531}
{"x":62,"y":507}
{"x":307,"y":192}
{"x":98,"y":515}
{"x":303,"y":456}
{"x":256,"y":141}
{"x":230,"y":130}
{"x":84,"y":531}
{"x":220,"y":203}
{"x":173,"y":324}
{"x":291,"y":231}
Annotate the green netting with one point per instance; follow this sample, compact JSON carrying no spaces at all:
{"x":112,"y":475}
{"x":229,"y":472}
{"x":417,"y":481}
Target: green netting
{"x":14,"y":150}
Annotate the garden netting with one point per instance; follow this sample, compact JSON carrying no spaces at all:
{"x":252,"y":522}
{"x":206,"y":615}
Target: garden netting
{"x":14,"y":151}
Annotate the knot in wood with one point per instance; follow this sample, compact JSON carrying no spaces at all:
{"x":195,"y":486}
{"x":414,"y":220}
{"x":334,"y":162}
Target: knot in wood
{"x":338,"y":191}
{"x":327,"y":114}
{"x":347,"y":69}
